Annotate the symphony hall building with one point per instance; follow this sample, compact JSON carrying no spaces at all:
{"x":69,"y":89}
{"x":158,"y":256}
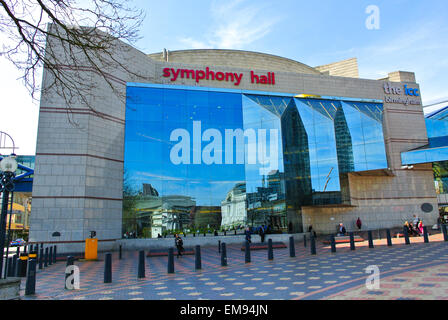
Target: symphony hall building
{"x":224,"y":139}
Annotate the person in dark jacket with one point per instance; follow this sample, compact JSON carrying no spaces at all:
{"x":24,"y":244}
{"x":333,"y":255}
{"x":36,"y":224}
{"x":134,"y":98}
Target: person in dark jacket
{"x":359,"y":223}
{"x":341,"y":230}
{"x":262,"y":233}
{"x":179,"y":244}
{"x":247,"y":233}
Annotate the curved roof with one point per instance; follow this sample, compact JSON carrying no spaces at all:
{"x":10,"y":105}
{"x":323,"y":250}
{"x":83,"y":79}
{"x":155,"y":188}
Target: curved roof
{"x":235,"y":59}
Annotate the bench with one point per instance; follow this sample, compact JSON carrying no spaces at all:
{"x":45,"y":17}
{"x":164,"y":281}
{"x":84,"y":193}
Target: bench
{"x":344,"y":239}
{"x":264,"y":245}
{"x":164,"y":252}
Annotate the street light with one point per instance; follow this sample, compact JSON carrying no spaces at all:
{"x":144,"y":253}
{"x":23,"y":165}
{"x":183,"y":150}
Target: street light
{"x":8,"y":167}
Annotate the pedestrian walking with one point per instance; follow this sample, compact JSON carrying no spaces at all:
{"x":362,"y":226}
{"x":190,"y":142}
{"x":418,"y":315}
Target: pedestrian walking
{"x":179,"y":244}
{"x":262,"y":233}
{"x":247,"y":233}
{"x":359,"y":223}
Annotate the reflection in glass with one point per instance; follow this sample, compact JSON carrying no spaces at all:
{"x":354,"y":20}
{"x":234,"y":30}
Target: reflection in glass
{"x":204,"y":160}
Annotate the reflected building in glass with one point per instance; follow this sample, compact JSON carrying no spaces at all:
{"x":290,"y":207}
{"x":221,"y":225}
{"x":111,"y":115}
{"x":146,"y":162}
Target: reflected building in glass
{"x":201,"y":159}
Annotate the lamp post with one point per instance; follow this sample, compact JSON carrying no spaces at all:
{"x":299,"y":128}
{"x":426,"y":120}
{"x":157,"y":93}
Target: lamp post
{"x":8,"y":167}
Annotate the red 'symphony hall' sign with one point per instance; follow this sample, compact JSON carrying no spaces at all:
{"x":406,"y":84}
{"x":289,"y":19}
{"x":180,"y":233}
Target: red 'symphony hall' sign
{"x":208,"y":74}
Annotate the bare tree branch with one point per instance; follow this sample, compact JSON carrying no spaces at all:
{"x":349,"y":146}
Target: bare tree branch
{"x":86,"y":33}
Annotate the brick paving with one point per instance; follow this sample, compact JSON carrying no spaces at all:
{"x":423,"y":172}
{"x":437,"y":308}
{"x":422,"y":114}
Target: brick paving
{"x":422,"y":268}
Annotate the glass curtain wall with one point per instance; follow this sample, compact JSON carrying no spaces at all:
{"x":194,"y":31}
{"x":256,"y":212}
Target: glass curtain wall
{"x":200,"y":160}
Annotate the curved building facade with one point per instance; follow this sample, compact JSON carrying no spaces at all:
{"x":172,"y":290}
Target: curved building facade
{"x":221,"y":139}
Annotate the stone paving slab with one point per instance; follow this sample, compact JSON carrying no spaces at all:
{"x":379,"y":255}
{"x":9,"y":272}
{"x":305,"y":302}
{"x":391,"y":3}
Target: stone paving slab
{"x":305,"y":276}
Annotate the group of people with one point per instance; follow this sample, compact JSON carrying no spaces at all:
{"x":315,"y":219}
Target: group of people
{"x":261,"y":230}
{"x":415,"y":228}
{"x":342,"y":231}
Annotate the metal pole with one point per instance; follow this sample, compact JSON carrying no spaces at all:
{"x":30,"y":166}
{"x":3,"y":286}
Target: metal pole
{"x":5,"y":201}
{"x":292,"y":251}
{"x":170,"y":260}
{"x":31,"y":278}
{"x":352,"y":241}
{"x":247,"y":252}
{"x":312,"y":245}
{"x":270,"y":251}
{"x":333,"y":243}
{"x":223,"y":254}
{"x":108,"y":268}
{"x":370,"y":239}
{"x":406,"y":236}
{"x":425,"y":234}
{"x":389,"y":239}
{"x":197,"y":254}
{"x":9,"y":227}
{"x":141,"y":265}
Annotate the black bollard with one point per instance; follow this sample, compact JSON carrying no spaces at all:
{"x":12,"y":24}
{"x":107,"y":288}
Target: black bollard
{"x":10,"y":267}
{"x":50,"y":256}
{"x":406,"y":235}
{"x":352,"y":241}
{"x":170,"y":260}
{"x":30,"y":287}
{"x":14,"y":265}
{"x":445,"y":235}
{"x":22,"y":265}
{"x":370,"y":238}
{"x":108,"y":268}
{"x":194,"y":234}
{"x":425,"y":234}
{"x":270,"y":251}
{"x":225,"y":233}
{"x":54,"y":254}
{"x":197,"y":260}
{"x":333,"y":243}
{"x":18,"y":268}
{"x":389,"y":239}
{"x":304,"y":240}
{"x":247,"y":252}
{"x":312,"y":245}
{"x":41,"y":258}
{"x":235,"y":232}
{"x":219,"y":246}
{"x":223,"y":254}
{"x":70,"y":262}
{"x":119,"y":252}
{"x":18,"y":251}
{"x":46,"y":258}
{"x":141,"y":264}
{"x":292,"y":250}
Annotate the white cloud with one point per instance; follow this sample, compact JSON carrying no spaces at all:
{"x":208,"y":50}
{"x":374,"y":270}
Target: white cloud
{"x":235,"y":25}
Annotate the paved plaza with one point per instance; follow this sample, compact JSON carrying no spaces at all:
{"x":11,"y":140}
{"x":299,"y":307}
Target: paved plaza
{"x":415,"y":271}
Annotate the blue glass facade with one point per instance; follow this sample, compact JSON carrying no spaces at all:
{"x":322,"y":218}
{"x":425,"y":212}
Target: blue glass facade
{"x":202,"y":158}
{"x":437,"y":148}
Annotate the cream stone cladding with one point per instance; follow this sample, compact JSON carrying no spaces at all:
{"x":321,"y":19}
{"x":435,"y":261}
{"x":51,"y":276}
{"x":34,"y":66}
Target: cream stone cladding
{"x":234,"y":59}
{"x":79,"y":156}
{"x":345,"y":68}
{"x":78,"y":176}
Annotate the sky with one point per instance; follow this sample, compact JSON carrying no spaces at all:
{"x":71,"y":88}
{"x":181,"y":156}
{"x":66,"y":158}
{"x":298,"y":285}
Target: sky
{"x":412,"y":36}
